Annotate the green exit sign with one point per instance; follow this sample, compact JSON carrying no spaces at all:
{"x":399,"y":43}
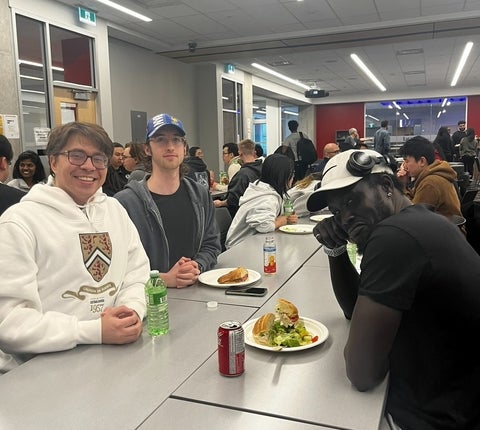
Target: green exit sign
{"x":87,"y":16}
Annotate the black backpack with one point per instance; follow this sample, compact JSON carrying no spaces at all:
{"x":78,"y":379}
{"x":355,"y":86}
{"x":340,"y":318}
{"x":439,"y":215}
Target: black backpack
{"x":306,"y":151}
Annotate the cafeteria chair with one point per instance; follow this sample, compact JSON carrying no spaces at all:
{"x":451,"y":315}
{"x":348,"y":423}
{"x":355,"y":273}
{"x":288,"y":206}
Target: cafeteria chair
{"x":224,"y":219}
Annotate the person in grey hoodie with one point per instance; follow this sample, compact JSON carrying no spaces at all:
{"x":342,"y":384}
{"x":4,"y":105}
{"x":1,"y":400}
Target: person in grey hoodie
{"x":174,"y":215}
{"x":261,"y":206}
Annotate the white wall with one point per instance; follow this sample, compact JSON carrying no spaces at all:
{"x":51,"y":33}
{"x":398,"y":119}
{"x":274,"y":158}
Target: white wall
{"x":143,"y":81}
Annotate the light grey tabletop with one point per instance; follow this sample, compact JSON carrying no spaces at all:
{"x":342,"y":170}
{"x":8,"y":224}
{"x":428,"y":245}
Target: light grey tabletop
{"x":178,"y":414}
{"x":292,"y":252}
{"x":309,"y":385}
{"x":112,"y":386}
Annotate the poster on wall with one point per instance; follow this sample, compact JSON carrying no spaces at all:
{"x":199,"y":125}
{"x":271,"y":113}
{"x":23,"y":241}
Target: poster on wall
{"x":41,"y":136}
{"x":9,"y":126}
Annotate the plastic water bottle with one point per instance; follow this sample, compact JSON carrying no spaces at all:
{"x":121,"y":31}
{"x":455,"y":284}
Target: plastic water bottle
{"x":352,"y":252}
{"x":157,"y":305}
{"x":287,"y":207}
{"x":269,"y":256}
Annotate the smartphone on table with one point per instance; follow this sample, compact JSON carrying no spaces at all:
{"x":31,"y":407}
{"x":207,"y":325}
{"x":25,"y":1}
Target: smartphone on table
{"x":246,"y":291}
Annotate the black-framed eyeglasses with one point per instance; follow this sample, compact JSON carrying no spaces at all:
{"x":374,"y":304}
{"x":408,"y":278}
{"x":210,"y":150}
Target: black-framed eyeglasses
{"x":225,"y":153}
{"x":77,"y":157}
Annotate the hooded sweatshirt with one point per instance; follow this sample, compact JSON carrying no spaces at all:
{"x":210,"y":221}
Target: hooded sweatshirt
{"x":259,"y":207}
{"x":435,"y":186}
{"x":248,"y":173}
{"x":62,"y":265}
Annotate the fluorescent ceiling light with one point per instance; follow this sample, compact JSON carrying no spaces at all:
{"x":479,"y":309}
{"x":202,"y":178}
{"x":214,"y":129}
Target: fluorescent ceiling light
{"x":444,"y":102}
{"x":397,"y":105}
{"x":367,"y":71}
{"x":125,"y":10}
{"x":461,"y":63}
{"x":279,"y":75}
{"x":290,"y":112}
{"x":371,"y":116}
{"x":439,"y":113}
{"x":405,"y":115}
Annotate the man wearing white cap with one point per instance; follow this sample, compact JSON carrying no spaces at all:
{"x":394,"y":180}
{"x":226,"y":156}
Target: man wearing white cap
{"x":415,"y":306}
{"x":174,"y":215}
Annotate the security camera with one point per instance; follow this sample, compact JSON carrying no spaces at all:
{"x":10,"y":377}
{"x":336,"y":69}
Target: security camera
{"x":192,"y":46}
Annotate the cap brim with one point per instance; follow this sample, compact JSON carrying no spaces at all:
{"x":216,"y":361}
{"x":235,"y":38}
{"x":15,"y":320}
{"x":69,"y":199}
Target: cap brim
{"x":317,"y":199}
{"x":182,"y":133}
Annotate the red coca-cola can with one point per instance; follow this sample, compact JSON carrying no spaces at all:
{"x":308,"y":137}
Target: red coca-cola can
{"x":231,"y":348}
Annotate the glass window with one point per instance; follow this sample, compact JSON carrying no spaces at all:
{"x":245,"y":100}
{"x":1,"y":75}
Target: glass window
{"x":71,"y":57}
{"x":232,"y":100}
{"x":33,"y":79}
{"x":260,"y":122}
{"x":413,"y":117}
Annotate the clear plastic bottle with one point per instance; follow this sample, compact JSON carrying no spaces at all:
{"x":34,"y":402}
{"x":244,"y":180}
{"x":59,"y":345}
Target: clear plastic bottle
{"x":352,"y":252}
{"x":287,"y":206}
{"x":157,"y":305}
{"x":269,"y":256}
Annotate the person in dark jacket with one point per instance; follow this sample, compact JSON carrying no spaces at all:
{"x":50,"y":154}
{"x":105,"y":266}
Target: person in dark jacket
{"x":8,"y":195}
{"x":249,"y":172}
{"x":174,"y":215}
{"x":444,"y":142}
{"x":197,"y":169}
{"x":116,"y":178}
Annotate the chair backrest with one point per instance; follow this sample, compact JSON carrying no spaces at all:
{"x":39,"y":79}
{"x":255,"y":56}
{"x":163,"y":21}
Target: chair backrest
{"x":224,"y":219}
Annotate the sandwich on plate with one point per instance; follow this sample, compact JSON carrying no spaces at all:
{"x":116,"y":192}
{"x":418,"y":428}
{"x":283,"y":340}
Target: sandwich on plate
{"x":282,"y":329}
{"x":235,"y":276}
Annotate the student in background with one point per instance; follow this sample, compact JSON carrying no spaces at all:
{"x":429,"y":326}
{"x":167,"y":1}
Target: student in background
{"x":116,"y":178}
{"x":8,"y":195}
{"x":28,"y":171}
{"x":232,"y":163}
{"x":249,"y":172}
{"x":434,"y":182}
{"x":468,"y":150}
{"x":197,"y":169}
{"x":261,"y":206}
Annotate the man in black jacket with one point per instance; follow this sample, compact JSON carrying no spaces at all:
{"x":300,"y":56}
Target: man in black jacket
{"x":8,"y":195}
{"x":249,"y":172}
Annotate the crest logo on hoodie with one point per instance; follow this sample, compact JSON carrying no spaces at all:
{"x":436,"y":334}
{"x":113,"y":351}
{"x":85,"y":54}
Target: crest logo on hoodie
{"x":97,"y":253}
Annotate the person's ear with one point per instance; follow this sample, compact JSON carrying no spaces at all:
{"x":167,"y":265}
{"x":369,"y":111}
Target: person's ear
{"x":387,"y":185}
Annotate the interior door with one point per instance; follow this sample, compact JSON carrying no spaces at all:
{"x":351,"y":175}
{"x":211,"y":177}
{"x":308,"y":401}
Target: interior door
{"x":68,"y":108}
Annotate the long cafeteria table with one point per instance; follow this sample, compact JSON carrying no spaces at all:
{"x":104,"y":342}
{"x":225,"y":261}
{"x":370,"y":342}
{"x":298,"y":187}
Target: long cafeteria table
{"x":172,"y":382}
{"x":292,"y":252}
{"x":307,"y":386}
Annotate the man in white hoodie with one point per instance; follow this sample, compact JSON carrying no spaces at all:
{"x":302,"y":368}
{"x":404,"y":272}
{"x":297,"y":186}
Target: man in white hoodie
{"x":73,"y":266}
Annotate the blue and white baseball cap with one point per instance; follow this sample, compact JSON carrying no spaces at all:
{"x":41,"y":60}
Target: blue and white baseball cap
{"x":157,"y":122}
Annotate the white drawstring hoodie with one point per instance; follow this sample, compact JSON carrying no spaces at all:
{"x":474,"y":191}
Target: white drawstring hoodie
{"x":61,"y":265}
{"x":259,"y":207}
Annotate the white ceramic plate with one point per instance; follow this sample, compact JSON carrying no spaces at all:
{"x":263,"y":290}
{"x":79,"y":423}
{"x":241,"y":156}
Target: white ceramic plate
{"x":297,"y":228}
{"x":315,"y":328}
{"x":320,"y":217}
{"x":210,"y":277}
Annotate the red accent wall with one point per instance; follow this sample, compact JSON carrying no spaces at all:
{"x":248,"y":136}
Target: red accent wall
{"x":473,"y":113}
{"x":330,"y":118}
